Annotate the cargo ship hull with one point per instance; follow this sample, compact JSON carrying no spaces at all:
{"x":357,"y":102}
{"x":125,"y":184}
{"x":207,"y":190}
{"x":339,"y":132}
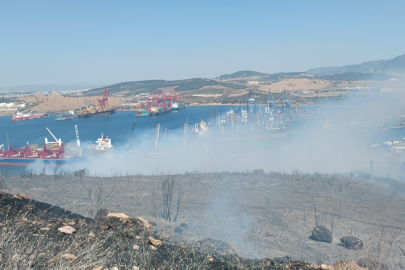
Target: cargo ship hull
{"x":142,"y":112}
{"x":27,"y":117}
{"x":38,"y":161}
{"x":99,"y":113}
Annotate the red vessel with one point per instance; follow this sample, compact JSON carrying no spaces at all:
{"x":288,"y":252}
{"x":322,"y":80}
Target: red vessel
{"x":19,"y":116}
{"x":52,"y":153}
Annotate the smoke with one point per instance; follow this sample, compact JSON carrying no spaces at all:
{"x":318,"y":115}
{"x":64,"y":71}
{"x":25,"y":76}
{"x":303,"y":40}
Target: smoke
{"x":336,"y":140}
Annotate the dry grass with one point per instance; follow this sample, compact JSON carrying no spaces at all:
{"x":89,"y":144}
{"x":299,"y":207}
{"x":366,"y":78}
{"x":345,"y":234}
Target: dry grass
{"x":262,"y":215}
{"x":107,"y":242}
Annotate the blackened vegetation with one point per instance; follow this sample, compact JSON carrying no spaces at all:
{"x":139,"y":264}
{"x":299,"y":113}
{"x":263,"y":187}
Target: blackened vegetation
{"x":171,"y":189}
{"x":30,"y":240}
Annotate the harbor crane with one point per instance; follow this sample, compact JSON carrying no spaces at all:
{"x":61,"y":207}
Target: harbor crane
{"x":103,"y":101}
{"x":251,"y":110}
{"x":163,"y":100}
{"x":286,"y":104}
{"x":271,"y":104}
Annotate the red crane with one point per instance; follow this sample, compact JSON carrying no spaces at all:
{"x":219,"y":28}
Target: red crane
{"x":103,"y":101}
{"x":162,"y":99}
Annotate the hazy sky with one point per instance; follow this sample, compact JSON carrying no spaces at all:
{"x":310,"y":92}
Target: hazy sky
{"x":69,"y":42}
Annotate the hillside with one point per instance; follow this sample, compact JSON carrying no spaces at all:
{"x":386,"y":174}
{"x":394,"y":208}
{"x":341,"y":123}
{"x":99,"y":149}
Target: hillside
{"x":395,"y":66}
{"x":356,"y":76}
{"x":242,"y":74}
{"x":224,"y":216}
{"x":136,"y":87}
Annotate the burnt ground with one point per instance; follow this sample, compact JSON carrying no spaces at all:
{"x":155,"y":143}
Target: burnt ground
{"x":30,"y":239}
{"x":261,"y":215}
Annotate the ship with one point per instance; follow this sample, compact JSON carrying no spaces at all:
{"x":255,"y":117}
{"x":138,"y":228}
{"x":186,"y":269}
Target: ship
{"x":159,"y":110}
{"x":103,"y":143}
{"x":142,"y":112}
{"x":199,"y":128}
{"x":19,"y":116}
{"x":91,"y":112}
{"x":178,"y":106}
{"x":51,"y":153}
{"x":104,"y":109}
{"x":66,"y":116}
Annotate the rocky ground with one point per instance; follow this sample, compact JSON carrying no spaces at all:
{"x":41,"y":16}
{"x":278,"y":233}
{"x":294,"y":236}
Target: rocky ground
{"x":37,"y":235}
{"x":258,"y":215}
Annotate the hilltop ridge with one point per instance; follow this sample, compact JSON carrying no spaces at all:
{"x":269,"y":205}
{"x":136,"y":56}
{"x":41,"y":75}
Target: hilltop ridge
{"x":394,"y":66}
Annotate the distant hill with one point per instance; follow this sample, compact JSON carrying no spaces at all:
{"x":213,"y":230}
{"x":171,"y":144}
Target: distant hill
{"x":247,"y":74}
{"x":47,"y":87}
{"x":136,"y":87}
{"x":355,"y":76}
{"x":380,"y":70}
{"x":241,"y":74}
{"x":395,"y":66}
{"x":285,"y":75}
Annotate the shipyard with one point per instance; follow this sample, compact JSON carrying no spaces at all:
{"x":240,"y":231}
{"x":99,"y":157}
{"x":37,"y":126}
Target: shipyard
{"x":152,"y":135}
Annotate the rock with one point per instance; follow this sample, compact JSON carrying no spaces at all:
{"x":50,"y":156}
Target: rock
{"x":152,"y":247}
{"x":121,"y":216}
{"x":69,"y":257}
{"x":178,"y":230}
{"x":183,"y":225}
{"x":91,"y":235}
{"x":67,"y":230}
{"x":326,"y":267}
{"x":285,"y":259}
{"x":16,"y":197}
{"x":101,"y":213}
{"x":347,"y":265}
{"x":114,"y":268}
{"x":145,"y":223}
{"x":135,"y":268}
{"x":41,"y":255}
{"x":164,"y":237}
{"x":81,"y":222}
{"x":45,"y":229}
{"x":71,"y":223}
{"x":210,"y":259}
{"x":137,"y":237}
{"x":101,"y":267}
{"x":183,"y":246}
{"x":155,"y":242}
{"x":351,"y":242}
{"x":322,"y":234}
{"x":371,"y":263}
{"x":24,"y":196}
{"x":136,"y":247}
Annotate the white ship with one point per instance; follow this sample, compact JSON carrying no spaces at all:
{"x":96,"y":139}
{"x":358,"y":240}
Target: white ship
{"x":199,"y":128}
{"x":103,"y":144}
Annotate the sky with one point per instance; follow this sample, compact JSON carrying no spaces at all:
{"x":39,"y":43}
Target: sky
{"x":107,"y":42}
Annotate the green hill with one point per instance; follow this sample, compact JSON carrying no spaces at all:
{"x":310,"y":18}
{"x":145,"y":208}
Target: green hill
{"x":241,"y":74}
{"x":136,"y":87}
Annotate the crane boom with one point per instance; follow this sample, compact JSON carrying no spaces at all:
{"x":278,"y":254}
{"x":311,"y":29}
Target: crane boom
{"x":58,"y":141}
{"x":77,"y":136}
{"x":103,"y":101}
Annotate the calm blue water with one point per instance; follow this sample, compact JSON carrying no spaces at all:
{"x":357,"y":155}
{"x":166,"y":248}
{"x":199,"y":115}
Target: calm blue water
{"x":116,"y":126}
